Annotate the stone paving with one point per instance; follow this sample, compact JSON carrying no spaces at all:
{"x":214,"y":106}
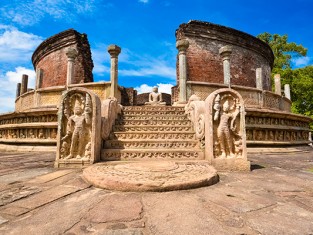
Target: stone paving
{"x":276,"y":197}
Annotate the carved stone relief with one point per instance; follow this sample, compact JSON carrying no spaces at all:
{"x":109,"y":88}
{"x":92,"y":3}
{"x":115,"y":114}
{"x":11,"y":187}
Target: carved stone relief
{"x":225,"y":136}
{"x":79,"y":128}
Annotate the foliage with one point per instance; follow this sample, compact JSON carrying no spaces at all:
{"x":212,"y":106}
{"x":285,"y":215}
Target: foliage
{"x":300,"y":80}
{"x":283,"y":50}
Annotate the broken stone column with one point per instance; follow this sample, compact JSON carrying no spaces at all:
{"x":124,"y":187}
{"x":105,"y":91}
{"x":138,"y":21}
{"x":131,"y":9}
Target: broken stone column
{"x":24,"y":85}
{"x":259,"y":78}
{"x":39,"y":73}
{"x":71,"y":55}
{"x":114,"y":51}
{"x":225,"y":52}
{"x":18,"y":90}
{"x":182,"y":46}
{"x":287,"y":91}
{"x":277,"y":81}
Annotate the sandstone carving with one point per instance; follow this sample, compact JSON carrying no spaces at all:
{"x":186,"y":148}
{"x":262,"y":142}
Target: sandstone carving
{"x":225,"y":137}
{"x":79,"y":128}
{"x":155,"y":98}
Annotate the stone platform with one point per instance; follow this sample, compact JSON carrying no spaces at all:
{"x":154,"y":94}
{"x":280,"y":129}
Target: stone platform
{"x":151,"y":175}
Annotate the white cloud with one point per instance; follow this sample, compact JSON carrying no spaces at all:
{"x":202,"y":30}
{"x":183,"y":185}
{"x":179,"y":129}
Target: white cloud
{"x":163,"y":87}
{"x":132,"y":64}
{"x":302,"y":61}
{"x":143,"y":1}
{"x":16,"y":45}
{"x":30,"y":12}
{"x":8,"y":83}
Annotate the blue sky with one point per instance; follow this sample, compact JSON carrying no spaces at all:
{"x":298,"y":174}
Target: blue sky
{"x":144,"y":29}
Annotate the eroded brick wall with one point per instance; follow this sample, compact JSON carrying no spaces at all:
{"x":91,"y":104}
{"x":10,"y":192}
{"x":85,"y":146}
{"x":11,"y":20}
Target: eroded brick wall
{"x":204,"y":64}
{"x":51,"y":58}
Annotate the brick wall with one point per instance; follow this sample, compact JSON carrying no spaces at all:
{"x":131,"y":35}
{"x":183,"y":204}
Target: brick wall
{"x":204,"y":64}
{"x":50,"y":56}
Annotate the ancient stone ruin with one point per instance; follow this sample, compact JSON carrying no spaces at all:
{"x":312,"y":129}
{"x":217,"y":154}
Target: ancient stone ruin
{"x":221,"y":108}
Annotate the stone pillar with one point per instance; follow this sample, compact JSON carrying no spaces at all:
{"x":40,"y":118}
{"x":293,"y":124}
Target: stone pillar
{"x":182,"y":46}
{"x":277,"y":84}
{"x":71,"y":54}
{"x":287,"y":91}
{"x":24,"y":85}
{"x":225,"y":52}
{"x":114,"y":51}
{"x":18,"y":90}
{"x":259,"y":78}
{"x":39,"y":74}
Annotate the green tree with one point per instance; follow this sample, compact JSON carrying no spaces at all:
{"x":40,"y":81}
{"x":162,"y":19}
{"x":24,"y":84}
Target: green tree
{"x":283,"y":50}
{"x":300,"y":80}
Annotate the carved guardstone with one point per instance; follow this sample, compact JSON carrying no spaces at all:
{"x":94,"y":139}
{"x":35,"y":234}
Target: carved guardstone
{"x":225,"y":136}
{"x":79,"y":129}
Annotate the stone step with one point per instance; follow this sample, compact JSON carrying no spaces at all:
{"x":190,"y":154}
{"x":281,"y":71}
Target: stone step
{"x":153,"y":108}
{"x":151,"y":112}
{"x":153,"y":122}
{"x":153,"y":117}
{"x":151,"y":154}
{"x":149,"y":128}
{"x":152,"y":144}
{"x":153,"y":135}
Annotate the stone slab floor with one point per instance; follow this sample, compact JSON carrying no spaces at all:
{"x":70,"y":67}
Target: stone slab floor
{"x":276,"y":197}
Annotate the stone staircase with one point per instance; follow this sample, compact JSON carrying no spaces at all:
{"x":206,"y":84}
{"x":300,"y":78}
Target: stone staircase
{"x":152,"y":133}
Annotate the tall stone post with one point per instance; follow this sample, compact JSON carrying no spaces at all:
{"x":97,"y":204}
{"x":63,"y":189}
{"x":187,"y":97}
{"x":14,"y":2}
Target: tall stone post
{"x":71,"y":54}
{"x":225,"y":52}
{"x":18,"y":90}
{"x":24,"y":85}
{"x":277,"y":84}
{"x":287,"y":91}
{"x":39,"y":74}
{"x":182,"y":46}
{"x":114,"y":51}
{"x":259,"y":78}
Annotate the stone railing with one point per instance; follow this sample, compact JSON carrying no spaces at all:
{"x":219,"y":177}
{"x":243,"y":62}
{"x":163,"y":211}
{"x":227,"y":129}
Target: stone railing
{"x":253,"y":97}
{"x":50,"y":97}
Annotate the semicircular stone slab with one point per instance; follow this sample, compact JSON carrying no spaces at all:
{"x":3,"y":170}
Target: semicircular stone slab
{"x":151,"y":175}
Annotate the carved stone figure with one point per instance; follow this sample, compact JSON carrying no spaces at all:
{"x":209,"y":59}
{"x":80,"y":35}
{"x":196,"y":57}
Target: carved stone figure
{"x":226,"y":130}
{"x":155,"y":98}
{"x":225,"y":135}
{"x":78,"y":127}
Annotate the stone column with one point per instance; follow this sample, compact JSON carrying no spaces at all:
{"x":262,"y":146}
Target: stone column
{"x":277,"y":84}
{"x":287,"y":91}
{"x":259,"y":78}
{"x":182,"y":46}
{"x":39,"y":73}
{"x":18,"y":90}
{"x":71,"y":54}
{"x":24,"y":85}
{"x":225,"y":52}
{"x":114,"y":51}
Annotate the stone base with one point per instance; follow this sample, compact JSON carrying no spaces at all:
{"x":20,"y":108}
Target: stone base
{"x":155,"y":104}
{"x":180,"y":103}
{"x":151,"y":175}
{"x":71,"y":163}
{"x":231,"y":164}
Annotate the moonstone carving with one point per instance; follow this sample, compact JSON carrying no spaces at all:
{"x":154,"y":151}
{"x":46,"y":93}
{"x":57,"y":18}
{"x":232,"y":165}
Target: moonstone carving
{"x":79,"y":127}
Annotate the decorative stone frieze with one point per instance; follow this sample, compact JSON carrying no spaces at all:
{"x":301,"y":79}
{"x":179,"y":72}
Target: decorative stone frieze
{"x":79,"y":129}
{"x":225,"y":136}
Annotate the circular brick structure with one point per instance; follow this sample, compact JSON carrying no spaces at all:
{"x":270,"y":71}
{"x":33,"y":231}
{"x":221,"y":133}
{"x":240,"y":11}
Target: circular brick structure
{"x":204,"y":63}
{"x":151,"y":175}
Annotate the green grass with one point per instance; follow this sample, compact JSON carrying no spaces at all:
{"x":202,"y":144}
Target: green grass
{"x":310,"y":170}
